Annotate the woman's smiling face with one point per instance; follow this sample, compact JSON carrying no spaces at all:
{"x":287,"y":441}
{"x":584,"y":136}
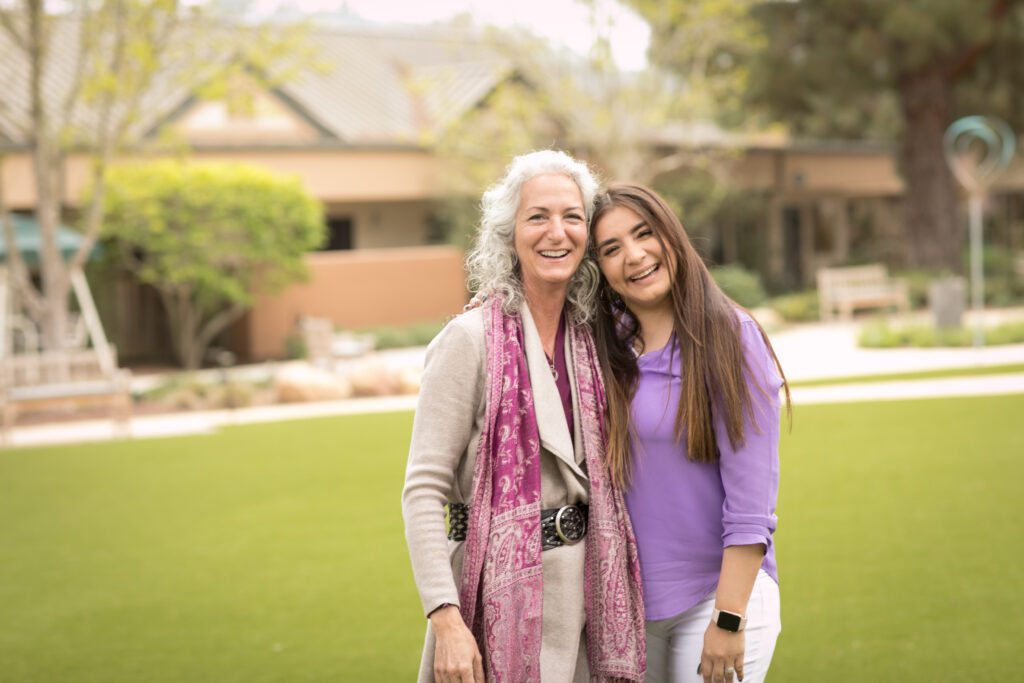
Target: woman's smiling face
{"x":633,"y":260}
{"x":550,"y":231}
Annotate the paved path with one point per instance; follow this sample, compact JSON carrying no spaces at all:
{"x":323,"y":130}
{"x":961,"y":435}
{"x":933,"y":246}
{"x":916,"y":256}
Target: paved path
{"x":830,"y":351}
{"x":201,"y":422}
{"x":806,"y":352}
{"x":177,"y":424}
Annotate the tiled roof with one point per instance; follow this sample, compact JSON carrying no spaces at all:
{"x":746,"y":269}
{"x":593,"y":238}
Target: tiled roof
{"x":394,"y":88}
{"x":59,"y":75}
{"x":369,"y":86}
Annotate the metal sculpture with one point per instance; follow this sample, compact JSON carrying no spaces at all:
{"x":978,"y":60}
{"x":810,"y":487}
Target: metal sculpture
{"x":978,"y":149}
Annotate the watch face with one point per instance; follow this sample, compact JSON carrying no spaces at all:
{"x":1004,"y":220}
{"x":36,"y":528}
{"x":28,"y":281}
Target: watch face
{"x":730,"y":622}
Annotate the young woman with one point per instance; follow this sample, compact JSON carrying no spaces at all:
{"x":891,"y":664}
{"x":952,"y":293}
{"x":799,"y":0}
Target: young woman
{"x":693,"y":393}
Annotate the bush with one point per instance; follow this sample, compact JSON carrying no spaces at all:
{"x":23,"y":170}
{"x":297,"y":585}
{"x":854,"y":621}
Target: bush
{"x":797,"y":307}
{"x":185,"y":391}
{"x":918,"y":282}
{"x":399,"y":337}
{"x":1010,"y":333}
{"x":742,"y":286}
{"x":1003,"y":286}
{"x":295,"y":347}
{"x":880,"y":335}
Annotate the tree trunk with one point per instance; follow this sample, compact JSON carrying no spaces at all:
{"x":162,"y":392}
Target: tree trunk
{"x":191,"y":336}
{"x":215,"y":325}
{"x":936,"y":236}
{"x":176,"y":300}
{"x":56,"y":285}
{"x":188,"y":326}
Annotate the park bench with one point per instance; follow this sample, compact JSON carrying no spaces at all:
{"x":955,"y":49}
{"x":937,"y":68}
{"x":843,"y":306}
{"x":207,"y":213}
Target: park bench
{"x":61,"y":377}
{"x":844,"y":290}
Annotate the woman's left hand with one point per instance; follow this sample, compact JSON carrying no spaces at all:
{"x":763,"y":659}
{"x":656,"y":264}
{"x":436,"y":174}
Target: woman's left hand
{"x":722,"y":655}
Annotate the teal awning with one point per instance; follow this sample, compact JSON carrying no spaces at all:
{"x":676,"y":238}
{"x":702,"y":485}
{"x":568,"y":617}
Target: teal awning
{"x":26,"y":236}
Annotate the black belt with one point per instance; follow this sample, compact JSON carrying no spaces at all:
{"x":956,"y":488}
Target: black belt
{"x":558,"y":526}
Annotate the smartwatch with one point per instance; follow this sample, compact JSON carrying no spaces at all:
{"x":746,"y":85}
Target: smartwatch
{"x":728,"y":621}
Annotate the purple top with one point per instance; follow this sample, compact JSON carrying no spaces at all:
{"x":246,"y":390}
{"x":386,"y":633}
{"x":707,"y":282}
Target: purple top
{"x":562,"y":376}
{"x":683,"y":512}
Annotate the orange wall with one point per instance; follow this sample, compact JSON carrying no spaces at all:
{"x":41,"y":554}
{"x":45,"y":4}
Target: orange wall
{"x":358,"y":289}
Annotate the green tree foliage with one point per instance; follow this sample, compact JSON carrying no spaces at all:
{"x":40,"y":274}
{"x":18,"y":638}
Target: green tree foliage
{"x":474,"y":151}
{"x":712,"y":45}
{"x":894,"y":71}
{"x":209,"y":238}
{"x":119,"y":48}
{"x":628,"y":126}
{"x":130,"y":57}
{"x":842,"y":68}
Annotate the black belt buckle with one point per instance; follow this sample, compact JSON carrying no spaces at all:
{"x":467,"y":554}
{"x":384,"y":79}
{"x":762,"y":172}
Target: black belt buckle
{"x":570,"y":524}
{"x":566,"y":525}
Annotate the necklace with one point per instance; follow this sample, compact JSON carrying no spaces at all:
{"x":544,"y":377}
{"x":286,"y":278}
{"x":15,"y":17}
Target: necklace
{"x":551,"y":365}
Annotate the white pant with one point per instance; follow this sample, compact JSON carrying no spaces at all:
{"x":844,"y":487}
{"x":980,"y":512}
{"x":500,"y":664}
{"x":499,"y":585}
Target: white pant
{"x":674,"y":645}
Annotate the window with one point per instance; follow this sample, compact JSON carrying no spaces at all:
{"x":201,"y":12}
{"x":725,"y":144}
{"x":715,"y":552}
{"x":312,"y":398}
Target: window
{"x":339,"y":234}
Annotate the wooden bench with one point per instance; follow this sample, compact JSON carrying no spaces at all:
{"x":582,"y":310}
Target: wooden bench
{"x":844,"y":290}
{"x":72,"y":375}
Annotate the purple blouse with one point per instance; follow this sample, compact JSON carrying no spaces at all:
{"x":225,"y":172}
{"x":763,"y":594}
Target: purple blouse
{"x":683,"y":512}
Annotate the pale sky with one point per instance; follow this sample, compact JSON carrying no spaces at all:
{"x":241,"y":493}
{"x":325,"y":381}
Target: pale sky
{"x":566,"y":22}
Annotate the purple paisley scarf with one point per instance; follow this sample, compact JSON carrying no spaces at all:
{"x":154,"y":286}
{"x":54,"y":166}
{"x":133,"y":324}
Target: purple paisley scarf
{"x":501,"y":591}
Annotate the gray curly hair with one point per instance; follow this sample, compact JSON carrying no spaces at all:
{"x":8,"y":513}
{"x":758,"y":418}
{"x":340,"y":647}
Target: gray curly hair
{"x":492,"y":262}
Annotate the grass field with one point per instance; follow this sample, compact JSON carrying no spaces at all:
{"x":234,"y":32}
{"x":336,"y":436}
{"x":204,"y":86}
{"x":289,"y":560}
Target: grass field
{"x":275,"y":552}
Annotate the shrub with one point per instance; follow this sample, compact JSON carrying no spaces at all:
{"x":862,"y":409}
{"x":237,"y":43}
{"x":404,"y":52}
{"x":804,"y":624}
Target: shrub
{"x":797,"y":307}
{"x":919,"y":280}
{"x":402,"y":336}
{"x":1003,"y":287}
{"x":1010,"y":333}
{"x":742,"y":286}
{"x":234,"y":395}
{"x":186,"y":391}
{"x":295,"y":347}
{"x":880,"y":335}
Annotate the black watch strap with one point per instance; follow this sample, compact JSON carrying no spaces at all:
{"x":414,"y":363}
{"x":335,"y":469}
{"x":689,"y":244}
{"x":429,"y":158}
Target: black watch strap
{"x":728,"y":621}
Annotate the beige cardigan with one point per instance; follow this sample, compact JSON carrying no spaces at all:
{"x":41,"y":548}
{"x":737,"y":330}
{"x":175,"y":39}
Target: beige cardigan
{"x":449,"y":417}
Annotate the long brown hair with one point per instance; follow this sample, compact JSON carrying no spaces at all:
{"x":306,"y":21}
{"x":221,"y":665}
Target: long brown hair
{"x":707,"y":330}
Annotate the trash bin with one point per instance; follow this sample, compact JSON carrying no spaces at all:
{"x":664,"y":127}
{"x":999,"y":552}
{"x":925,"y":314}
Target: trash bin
{"x":947,"y":298}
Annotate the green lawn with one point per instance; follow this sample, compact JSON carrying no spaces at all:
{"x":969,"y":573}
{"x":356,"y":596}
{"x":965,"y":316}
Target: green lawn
{"x":275,"y":552}
{"x":265,"y":553}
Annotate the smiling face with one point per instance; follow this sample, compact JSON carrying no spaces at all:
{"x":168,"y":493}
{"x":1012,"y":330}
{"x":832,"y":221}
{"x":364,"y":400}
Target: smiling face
{"x":633,"y":260}
{"x":550,"y":232}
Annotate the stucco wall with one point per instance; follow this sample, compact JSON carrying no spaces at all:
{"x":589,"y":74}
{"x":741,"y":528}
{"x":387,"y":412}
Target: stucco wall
{"x":795,"y":171}
{"x":358,"y":289}
{"x":385,"y":224}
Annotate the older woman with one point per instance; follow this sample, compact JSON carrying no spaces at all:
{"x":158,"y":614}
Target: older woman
{"x":537,"y":577}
